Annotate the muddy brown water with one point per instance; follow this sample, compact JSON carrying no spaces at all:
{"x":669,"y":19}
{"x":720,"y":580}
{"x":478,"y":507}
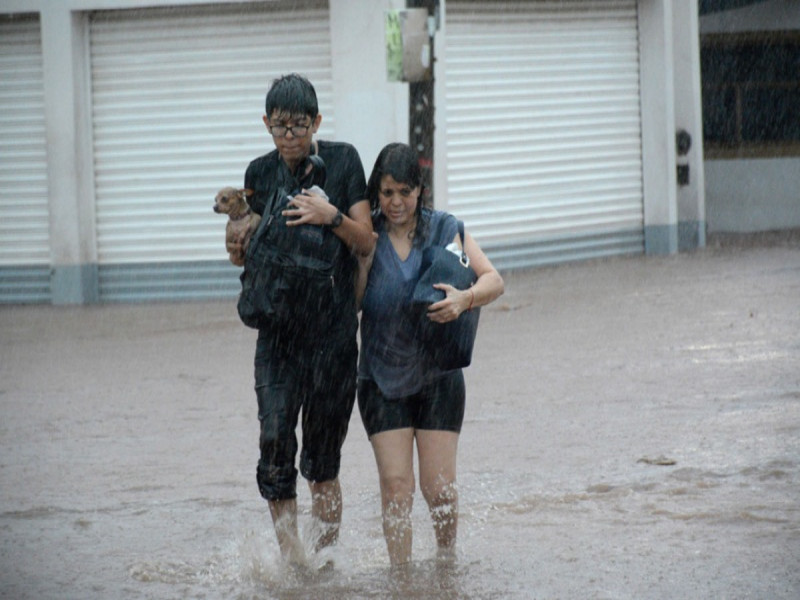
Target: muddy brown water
{"x":632,"y":431}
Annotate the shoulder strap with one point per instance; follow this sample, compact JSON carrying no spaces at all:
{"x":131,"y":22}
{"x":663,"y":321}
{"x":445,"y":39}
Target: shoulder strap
{"x":440,"y":227}
{"x":464,"y":257}
{"x":270,"y":200}
{"x":438,"y":235}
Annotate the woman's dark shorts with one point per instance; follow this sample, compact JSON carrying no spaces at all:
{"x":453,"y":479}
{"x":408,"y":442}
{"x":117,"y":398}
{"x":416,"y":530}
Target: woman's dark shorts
{"x":319,"y":381}
{"x":438,"y":406}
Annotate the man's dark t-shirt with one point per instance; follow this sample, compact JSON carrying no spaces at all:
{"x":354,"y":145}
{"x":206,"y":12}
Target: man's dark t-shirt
{"x":345,"y":185}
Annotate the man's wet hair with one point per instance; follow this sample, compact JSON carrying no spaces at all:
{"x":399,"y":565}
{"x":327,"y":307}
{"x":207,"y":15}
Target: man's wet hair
{"x":292,"y":94}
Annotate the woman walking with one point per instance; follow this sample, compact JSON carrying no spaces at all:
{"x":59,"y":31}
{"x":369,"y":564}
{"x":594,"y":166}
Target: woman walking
{"x":402,"y":397}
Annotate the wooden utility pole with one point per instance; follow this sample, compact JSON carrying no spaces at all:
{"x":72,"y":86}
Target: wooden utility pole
{"x":421,"y":109}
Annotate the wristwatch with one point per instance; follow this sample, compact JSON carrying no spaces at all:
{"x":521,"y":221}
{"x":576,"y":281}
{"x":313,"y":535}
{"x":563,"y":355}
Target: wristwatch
{"x":337,"y":220}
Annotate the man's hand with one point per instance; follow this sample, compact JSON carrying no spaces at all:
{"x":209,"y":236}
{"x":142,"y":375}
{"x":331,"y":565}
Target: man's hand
{"x":235,"y":252}
{"x":235,"y":245}
{"x":310,"y":207}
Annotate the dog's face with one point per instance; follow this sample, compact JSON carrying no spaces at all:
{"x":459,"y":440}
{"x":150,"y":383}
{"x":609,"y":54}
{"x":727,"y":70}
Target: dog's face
{"x":228,"y":199}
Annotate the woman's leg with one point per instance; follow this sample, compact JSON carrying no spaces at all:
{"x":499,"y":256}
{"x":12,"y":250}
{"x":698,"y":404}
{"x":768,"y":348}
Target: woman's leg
{"x":437,"y":480}
{"x":394,"y":454}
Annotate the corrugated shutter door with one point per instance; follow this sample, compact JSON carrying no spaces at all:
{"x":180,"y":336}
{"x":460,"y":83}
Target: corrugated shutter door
{"x":543,"y":128}
{"x":178,"y":94}
{"x":24,"y":213}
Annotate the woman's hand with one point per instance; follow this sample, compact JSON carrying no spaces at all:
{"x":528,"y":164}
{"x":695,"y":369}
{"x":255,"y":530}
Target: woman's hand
{"x":455,"y":302}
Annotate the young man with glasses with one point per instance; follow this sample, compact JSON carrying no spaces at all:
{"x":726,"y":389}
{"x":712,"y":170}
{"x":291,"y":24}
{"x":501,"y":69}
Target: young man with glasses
{"x":318,"y":373}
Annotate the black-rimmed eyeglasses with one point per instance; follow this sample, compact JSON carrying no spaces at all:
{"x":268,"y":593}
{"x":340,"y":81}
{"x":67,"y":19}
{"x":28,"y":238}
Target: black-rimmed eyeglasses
{"x":282,"y":130}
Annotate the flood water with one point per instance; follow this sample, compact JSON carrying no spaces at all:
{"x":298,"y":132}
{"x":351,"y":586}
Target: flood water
{"x":632,"y":431}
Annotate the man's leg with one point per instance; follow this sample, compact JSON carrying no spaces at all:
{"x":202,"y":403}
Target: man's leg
{"x":326,"y":509}
{"x":278,"y":410}
{"x":326,"y":417}
{"x":284,"y":518}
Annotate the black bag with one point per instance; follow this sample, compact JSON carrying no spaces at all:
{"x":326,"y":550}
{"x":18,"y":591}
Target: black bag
{"x":289,"y":277}
{"x":448,"y":345}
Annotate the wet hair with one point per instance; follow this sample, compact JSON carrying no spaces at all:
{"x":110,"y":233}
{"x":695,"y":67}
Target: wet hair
{"x":292,"y":94}
{"x":402,"y":164}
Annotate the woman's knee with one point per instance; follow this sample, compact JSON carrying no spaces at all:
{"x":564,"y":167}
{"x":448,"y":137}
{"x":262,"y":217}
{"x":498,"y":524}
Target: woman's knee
{"x":440,"y":491}
{"x":397,"y":488}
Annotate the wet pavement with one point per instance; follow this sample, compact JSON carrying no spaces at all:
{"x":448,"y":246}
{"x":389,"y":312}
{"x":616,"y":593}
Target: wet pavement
{"x":632,"y":431}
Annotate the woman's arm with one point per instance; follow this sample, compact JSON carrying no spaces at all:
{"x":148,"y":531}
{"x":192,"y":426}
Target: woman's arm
{"x":356,"y":229}
{"x":486,"y":289}
{"x":362,"y":274}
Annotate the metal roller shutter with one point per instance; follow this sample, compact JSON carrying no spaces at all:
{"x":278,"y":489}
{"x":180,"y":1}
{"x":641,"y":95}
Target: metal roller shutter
{"x":178,"y":94}
{"x":24,"y":212}
{"x":544,"y":128}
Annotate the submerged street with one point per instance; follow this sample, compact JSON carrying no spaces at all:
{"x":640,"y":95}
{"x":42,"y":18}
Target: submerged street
{"x":632,"y":431}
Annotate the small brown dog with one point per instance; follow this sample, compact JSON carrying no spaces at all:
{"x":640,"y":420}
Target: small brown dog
{"x":242,"y":222}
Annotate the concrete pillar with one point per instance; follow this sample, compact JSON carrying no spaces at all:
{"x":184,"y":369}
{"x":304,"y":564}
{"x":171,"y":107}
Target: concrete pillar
{"x":69,"y":164}
{"x":370,"y":110}
{"x":689,"y":118}
{"x":658,"y":126}
{"x":440,"y":190}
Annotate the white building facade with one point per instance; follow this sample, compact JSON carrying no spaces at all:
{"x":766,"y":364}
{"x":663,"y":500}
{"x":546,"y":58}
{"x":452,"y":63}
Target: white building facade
{"x":555,"y":129}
